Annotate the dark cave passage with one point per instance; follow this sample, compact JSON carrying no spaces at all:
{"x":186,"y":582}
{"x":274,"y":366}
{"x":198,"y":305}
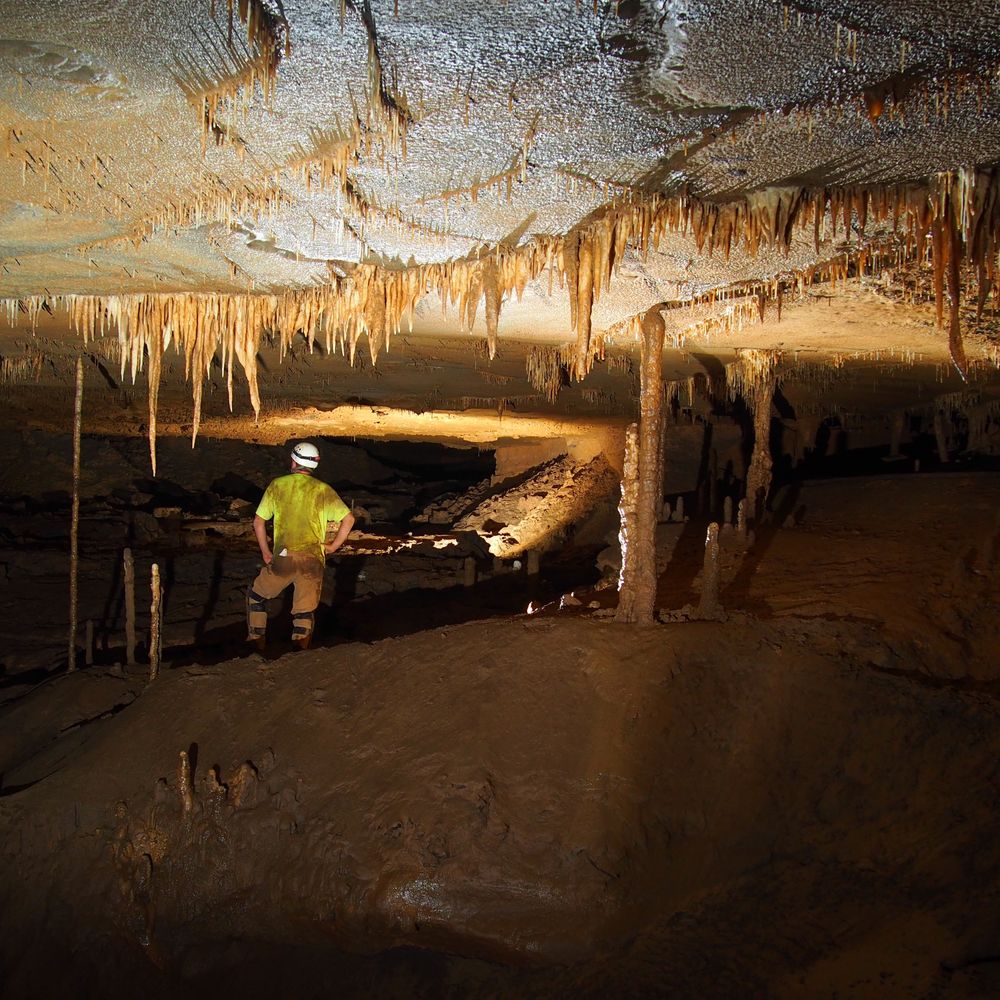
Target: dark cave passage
{"x":193,"y":520}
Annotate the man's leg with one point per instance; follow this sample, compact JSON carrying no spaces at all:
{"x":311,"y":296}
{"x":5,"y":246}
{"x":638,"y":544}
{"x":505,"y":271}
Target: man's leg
{"x":269,"y":583}
{"x":308,"y":587}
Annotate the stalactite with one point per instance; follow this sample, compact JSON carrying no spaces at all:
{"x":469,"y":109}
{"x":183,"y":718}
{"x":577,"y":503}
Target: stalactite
{"x":957,"y":215}
{"x":544,"y":367}
{"x":153,"y":380}
{"x":491,"y":293}
{"x":584,"y":292}
{"x":469,"y":300}
{"x":387,"y":109}
{"x":759,"y":473}
{"x":951,"y":252}
{"x":235,"y":72}
{"x":23,"y":369}
{"x":568,"y":267}
{"x":754,"y":377}
{"x":374,"y":317}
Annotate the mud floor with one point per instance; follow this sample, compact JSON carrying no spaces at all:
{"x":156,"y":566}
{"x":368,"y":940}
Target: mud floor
{"x":798,"y":801}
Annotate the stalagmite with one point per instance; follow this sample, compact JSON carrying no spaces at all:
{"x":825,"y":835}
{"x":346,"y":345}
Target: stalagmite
{"x":88,"y":643}
{"x":727,"y":514}
{"x":242,"y":785}
{"x":627,"y":516}
{"x":185,"y":786}
{"x":708,"y":604}
{"x":636,"y":602}
{"x":155,"y":622}
{"x":741,"y":520}
{"x":74,"y":531}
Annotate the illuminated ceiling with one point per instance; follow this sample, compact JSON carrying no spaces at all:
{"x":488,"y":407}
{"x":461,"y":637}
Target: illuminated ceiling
{"x":214,"y":177}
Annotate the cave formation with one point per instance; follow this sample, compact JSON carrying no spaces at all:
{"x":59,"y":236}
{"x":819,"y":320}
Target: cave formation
{"x":655,"y":348}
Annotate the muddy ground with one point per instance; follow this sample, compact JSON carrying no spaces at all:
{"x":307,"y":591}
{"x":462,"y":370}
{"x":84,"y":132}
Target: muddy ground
{"x":798,"y":801}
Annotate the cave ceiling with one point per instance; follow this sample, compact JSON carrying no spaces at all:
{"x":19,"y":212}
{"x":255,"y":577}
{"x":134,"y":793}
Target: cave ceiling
{"x":372,"y":202}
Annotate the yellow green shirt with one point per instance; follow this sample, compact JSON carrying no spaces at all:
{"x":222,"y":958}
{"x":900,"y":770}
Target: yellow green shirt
{"x":301,"y":507}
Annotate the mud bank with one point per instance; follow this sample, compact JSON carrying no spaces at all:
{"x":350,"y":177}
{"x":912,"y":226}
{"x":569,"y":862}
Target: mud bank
{"x":528,"y":791}
{"x":800,"y":800}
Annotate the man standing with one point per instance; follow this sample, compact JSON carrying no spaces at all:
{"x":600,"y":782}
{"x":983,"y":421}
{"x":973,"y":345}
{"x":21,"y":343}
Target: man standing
{"x":301,"y":507}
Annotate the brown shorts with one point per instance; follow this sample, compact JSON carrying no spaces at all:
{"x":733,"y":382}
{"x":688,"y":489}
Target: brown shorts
{"x":304,"y":570}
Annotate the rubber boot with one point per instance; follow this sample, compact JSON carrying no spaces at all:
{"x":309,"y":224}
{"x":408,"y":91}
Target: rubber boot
{"x":303,"y":643}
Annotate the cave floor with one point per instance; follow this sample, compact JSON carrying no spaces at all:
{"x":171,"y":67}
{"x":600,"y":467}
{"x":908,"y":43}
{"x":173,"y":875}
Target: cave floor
{"x":798,"y":801}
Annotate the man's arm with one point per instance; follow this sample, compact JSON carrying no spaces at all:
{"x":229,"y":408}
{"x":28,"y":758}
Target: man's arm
{"x":260,"y":530}
{"x":342,"y":532}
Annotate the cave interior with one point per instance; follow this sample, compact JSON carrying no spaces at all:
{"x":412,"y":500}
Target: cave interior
{"x":654,"y":346}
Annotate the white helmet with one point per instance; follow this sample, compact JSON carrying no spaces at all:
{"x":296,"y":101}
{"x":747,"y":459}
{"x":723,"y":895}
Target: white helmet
{"x":306,"y":455}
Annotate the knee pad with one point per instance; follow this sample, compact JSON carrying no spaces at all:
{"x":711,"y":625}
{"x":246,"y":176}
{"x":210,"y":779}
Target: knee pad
{"x":254,"y":601}
{"x":256,"y":613}
{"x":302,"y":624}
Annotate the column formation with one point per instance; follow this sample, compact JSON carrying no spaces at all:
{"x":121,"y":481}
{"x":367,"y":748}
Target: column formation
{"x":638,"y":581}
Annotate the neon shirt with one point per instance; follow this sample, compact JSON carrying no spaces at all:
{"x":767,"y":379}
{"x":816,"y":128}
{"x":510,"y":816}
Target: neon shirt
{"x":301,"y":507}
